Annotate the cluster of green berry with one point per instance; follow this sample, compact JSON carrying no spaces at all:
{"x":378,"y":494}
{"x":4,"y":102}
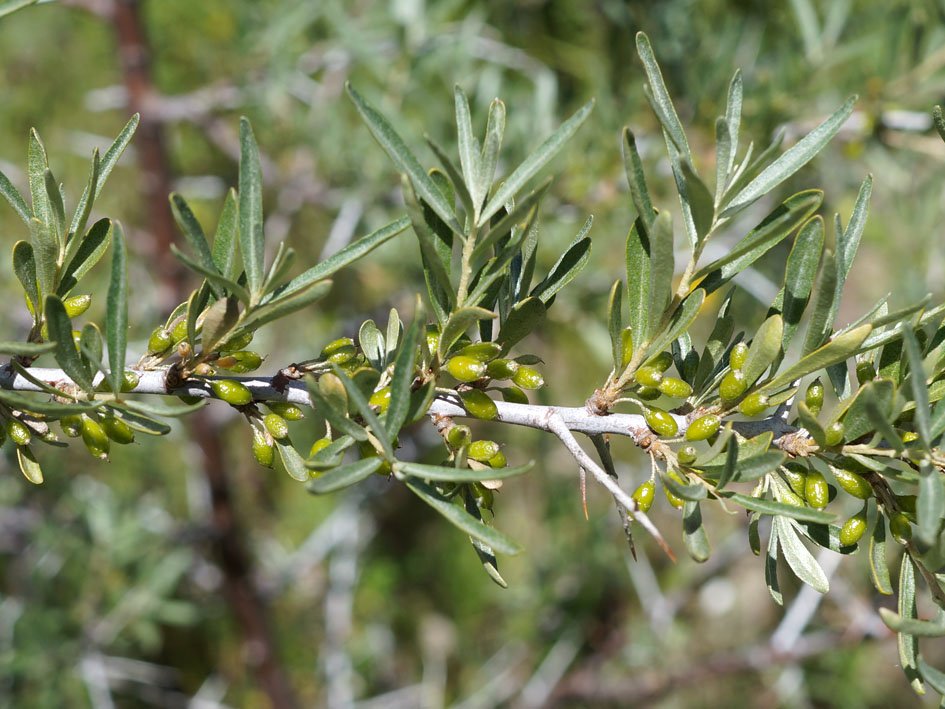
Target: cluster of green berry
{"x":272,"y":427}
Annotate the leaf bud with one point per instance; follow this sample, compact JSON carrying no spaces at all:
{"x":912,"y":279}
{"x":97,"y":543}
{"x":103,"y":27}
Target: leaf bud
{"x":733,"y":385}
{"x":674,"y":388}
{"x":900,"y":528}
{"x":465,"y":369}
{"x":626,"y":346}
{"x":814,"y":398}
{"x":661,"y":422}
{"x":514,"y":395}
{"x":852,"y":530}
{"x":276,"y":425}
{"x":479,"y":404}
{"x":232,"y":392}
{"x":753,"y":404}
{"x":703,"y":427}
{"x":738,"y":355}
{"x":528,"y":378}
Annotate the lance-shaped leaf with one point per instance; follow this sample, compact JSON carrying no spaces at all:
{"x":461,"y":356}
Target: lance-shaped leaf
{"x":682,"y":318}
{"x":213,"y":276}
{"x":687,"y":491}
{"x":799,"y":275}
{"x":534,"y":162}
{"x":485,"y":553}
{"x":791,"y":160}
{"x":26,"y":349}
{"x":697,"y":202}
{"x":275,"y":309}
{"x":462,"y":519}
{"x":83,"y":209}
{"x":468,"y":147}
{"x":140,"y":422}
{"x":638,"y":280}
{"x":24,"y":266}
{"x":730,"y":465}
{"x":930,"y":504}
{"x":694,"y":535}
{"x":226,"y":237}
{"x":765,"y":346}
{"x":360,"y":402}
{"x":60,"y":330}
{"x":615,"y":324}
{"x":57,"y":224}
{"x":914,"y":626}
{"x":219,"y":321}
{"x":24,"y":454}
{"x":659,"y":97}
{"x":920,"y":390}
{"x":802,"y":563}
{"x":495,"y":131}
{"x":36,"y":171}
{"x":23,"y":402}
{"x":775,"y":227}
{"x":291,"y":460}
{"x":811,"y":424}
{"x":404,"y":160}
{"x":633,"y":166}
{"x":726,"y":135}
{"x":456,"y":179}
{"x":173,"y":411}
{"x":334,"y":413}
{"x":935,"y":678}
{"x":251,"y":238}
{"x":771,"y":566}
{"x":839,"y":349}
{"x":521,"y":213}
{"x":459,"y":321}
{"x":908,"y":644}
{"x":749,"y":467}
{"x":857,"y":421}
{"x":661,"y":272}
{"x":848,"y":240}
{"x":91,"y":248}
{"x":344,"y":476}
{"x":823,"y":535}
{"x":116,"y":316}
{"x":568,"y":266}
{"x":717,"y":344}
{"x":460,"y":475}
{"x":372,"y":344}
{"x":434,"y":271}
{"x":404,"y":370}
{"x":879,"y":570}
{"x":13,"y":196}
{"x":111,"y":156}
{"x":772,"y":507}
{"x":193,"y":232}
{"x":352,"y":252}
{"x":524,"y":317}
{"x":45,"y":255}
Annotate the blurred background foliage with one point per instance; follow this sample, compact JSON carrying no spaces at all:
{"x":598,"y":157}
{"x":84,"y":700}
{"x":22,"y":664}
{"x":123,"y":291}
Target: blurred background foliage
{"x":111,"y":592}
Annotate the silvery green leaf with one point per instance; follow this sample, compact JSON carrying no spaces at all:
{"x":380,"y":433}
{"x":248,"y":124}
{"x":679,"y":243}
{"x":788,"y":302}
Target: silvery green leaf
{"x":344,"y":476}
{"x":771,"y":566}
{"x":661,"y":272}
{"x":495,"y":131}
{"x":765,"y":347}
{"x":251,"y":238}
{"x":13,"y":196}
{"x":91,"y":248}
{"x":908,"y":644}
{"x":694,"y":535}
{"x":802,"y":563}
{"x":567,"y":267}
{"x":460,"y":475}
{"x":468,"y":148}
{"x":633,"y":166}
{"x":524,"y":317}
{"x":60,"y":330}
{"x":372,"y":344}
{"x":615,"y":323}
{"x":116,"y":314}
{"x":400,"y":384}
{"x":659,"y":97}
{"x":28,"y":464}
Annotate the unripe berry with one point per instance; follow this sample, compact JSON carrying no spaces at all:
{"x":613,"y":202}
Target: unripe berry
{"x":909,"y":436}
{"x":864,"y":372}
{"x":117,"y":430}
{"x":852,"y":530}
{"x":465,"y":369}
{"x":485,"y":498}
{"x":648,"y":393}
{"x":129,"y":380}
{"x":686,"y":455}
{"x":626,"y":346}
{"x":661,"y":362}
{"x":674,"y":388}
{"x":18,"y":432}
{"x":263,"y":449}
{"x":232,"y":392}
{"x":789,"y":498}
{"x":368,"y":451}
{"x":816,"y":491}
{"x":502,"y":368}
{"x":703,"y":427}
{"x":380,"y":398}
{"x":237,"y":342}
{"x":458,"y":436}
{"x":71,"y":425}
{"x":95,"y":438}
{"x":179,"y":331}
{"x":76,"y":305}
{"x":482,"y":351}
{"x":738,"y":355}
{"x":514,"y":395}
{"x":733,"y":385}
{"x":673,"y":498}
{"x":528,"y":378}
{"x":240,"y":362}
{"x":796,"y":476}
{"x":906,"y":503}
{"x":497,"y":461}
{"x":320,"y":444}
{"x":643,"y":495}
{"x":479,"y":404}
{"x":661,"y":422}
{"x":833,"y":434}
{"x":753,"y":405}
{"x":649,"y":376}
{"x":160,"y":341}
{"x":433,"y":338}
{"x":814,"y":398}
{"x":900,"y":528}
{"x":482,"y":450}
{"x":339,"y":351}
{"x":288,"y":411}
{"x":276,"y":425}
{"x":852,"y":483}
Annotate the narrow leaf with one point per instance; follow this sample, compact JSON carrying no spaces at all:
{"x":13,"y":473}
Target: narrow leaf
{"x":400,"y":383}
{"x":765,"y":347}
{"x":344,"y":476}
{"x":908,"y":645}
{"x":213,"y":276}
{"x":459,"y":321}
{"x":615,"y":324}
{"x":13,"y":196}
{"x":468,"y":148}
{"x":192,"y":230}
{"x":460,"y":475}
{"x":839,"y":349}
{"x":694,"y":535}
{"x":91,"y":248}
{"x":930,"y":504}
{"x":638,"y":280}
{"x":60,"y":330}
{"x":22,"y":402}
{"x":226,"y":237}
{"x":335,"y":416}
{"x":682,"y":318}
{"x":276,"y":309}
{"x":251,"y":238}
{"x":291,"y":460}
{"x":495,"y":131}
{"x":771,"y":566}
{"x":661,"y":272}
{"x":920,"y":390}
{"x":659,"y":97}
{"x":802,"y":563}
{"x":524,"y":317}
{"x":879,"y":570}
{"x":772,"y":507}
{"x":24,"y":454}
{"x":24,"y":266}
{"x":116,"y":315}
{"x":799,"y":275}
{"x":357,"y":397}
{"x":567,"y":267}
{"x":637,"y":180}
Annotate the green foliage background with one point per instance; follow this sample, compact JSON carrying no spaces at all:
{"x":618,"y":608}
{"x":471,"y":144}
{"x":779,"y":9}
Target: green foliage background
{"x":112,"y":560}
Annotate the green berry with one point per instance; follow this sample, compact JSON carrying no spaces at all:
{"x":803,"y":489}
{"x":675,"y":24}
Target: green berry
{"x":368,"y":451}
{"x":909,"y":436}
{"x":852,"y":483}
{"x":117,"y":430}
{"x":458,"y":436}
{"x":833,"y":434}
{"x":129,"y":380}
{"x":528,"y":378}
{"x":789,"y":498}
{"x":320,"y":444}
{"x":661,"y":362}
{"x":232,"y":392}
{"x":18,"y":432}
{"x":673,"y":498}
{"x":733,"y":385}
{"x":380,"y":398}
{"x":160,"y":341}
{"x":703,"y":427}
{"x":738,"y":355}
{"x":95,"y":438}
{"x":753,"y":404}
{"x":502,"y":368}
{"x":479,"y":404}
{"x":288,"y":411}
{"x":276,"y":425}
{"x":179,"y":332}
{"x":900,"y":528}
{"x":674,"y":388}
{"x":686,"y":455}
{"x":433,"y":338}
{"x":485,"y":498}
{"x":237,"y":342}
{"x":648,"y":376}
{"x":648,"y":393}
{"x":906,"y":503}
{"x":263,"y":449}
{"x":865,"y":372}
{"x":644,"y":494}
{"x":626,"y":346}
{"x":76,"y":305}
{"x":814,"y":398}
{"x":514,"y":395}
{"x":482,"y":351}
{"x":796,"y":476}
{"x":465,"y":369}
{"x":71,"y":425}
{"x":240,"y":362}
{"x":852,"y":530}
{"x":339,"y":351}
{"x":661,"y":422}
{"x":482,"y":450}
{"x":497,"y":461}
{"x":816,"y":491}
